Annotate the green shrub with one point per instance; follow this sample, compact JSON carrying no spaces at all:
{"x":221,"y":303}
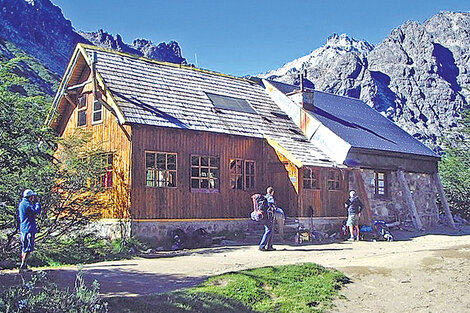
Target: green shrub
{"x":83,"y":248}
{"x":40,"y":295}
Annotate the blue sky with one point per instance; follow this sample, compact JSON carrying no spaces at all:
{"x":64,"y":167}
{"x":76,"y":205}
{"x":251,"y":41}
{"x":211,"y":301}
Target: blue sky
{"x":249,"y":36}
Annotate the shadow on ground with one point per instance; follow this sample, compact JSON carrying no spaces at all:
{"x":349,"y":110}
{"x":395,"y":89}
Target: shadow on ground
{"x":179,"y":301}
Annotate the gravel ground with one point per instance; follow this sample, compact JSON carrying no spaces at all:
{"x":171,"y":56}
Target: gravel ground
{"x":421,"y":272}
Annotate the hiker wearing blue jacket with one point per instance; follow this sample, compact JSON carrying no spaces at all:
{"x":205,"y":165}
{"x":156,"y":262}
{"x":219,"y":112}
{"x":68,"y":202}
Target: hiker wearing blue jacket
{"x":28,"y":209}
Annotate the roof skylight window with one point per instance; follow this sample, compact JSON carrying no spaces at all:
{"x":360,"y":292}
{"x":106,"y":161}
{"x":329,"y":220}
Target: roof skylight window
{"x":230,"y":103}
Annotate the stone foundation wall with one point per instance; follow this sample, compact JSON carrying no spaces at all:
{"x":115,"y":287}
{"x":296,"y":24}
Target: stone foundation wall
{"x":163,"y":229}
{"x":394,"y":207}
{"x":110,"y":228}
{"x":327,"y":225}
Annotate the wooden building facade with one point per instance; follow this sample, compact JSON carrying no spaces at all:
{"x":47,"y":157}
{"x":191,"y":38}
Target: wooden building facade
{"x":180,"y":164}
{"x":184,"y":144}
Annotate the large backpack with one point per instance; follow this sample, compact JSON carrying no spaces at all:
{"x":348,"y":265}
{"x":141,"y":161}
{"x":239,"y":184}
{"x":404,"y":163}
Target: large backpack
{"x":260,"y":207}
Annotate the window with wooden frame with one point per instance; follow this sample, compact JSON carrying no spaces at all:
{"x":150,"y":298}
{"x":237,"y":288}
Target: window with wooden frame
{"x":205,"y":173}
{"x":380,"y":179}
{"x":249,"y":174}
{"x":236,"y":174}
{"x":242,"y":174}
{"x":311,"y":176}
{"x":106,"y":179}
{"x":161,"y":169}
{"x":97,"y":116}
{"x":334,"y":180}
{"x":82,"y":110}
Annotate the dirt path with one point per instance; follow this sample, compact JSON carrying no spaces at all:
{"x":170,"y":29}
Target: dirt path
{"x":427,"y":273}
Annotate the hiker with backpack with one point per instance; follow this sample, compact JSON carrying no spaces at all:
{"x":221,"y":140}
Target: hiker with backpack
{"x":266,"y":243}
{"x":354,"y":207}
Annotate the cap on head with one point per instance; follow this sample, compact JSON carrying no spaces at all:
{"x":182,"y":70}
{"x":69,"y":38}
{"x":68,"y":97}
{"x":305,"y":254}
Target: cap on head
{"x":270,"y":190}
{"x":352,"y":193}
{"x":28,"y":193}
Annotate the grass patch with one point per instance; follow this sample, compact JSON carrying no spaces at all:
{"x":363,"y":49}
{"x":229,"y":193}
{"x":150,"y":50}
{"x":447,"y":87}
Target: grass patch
{"x":291,"y":288}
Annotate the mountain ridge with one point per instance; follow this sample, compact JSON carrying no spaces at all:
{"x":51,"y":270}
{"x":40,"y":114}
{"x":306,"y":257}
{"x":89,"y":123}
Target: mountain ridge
{"x":39,"y":28}
{"x":417,"y":76}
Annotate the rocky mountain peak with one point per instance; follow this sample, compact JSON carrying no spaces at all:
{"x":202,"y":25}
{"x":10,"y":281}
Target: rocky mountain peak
{"x":346,"y":43}
{"x":39,"y":28}
{"x":170,"y":52}
{"x":418,"y":76}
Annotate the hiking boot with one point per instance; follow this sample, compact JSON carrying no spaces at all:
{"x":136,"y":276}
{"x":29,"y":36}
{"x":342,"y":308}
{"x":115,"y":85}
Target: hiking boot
{"x":24,"y":269}
{"x":271,"y":249}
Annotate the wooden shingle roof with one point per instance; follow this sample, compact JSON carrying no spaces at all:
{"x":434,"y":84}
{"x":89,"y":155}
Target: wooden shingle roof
{"x":155,"y":93}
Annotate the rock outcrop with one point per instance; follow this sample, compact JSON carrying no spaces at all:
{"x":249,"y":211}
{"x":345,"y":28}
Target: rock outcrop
{"x":418,"y":76}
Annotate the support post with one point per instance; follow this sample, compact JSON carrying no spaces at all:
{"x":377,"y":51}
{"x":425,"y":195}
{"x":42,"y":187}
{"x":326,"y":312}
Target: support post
{"x":409,"y":201}
{"x":366,"y":214}
{"x":442,"y":196}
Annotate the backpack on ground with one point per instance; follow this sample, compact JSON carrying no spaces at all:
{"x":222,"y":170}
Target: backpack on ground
{"x":260,"y":207}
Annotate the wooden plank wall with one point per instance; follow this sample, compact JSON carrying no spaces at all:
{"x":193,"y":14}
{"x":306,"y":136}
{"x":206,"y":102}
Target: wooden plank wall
{"x":282,"y":175}
{"x":111,"y":137}
{"x":180,"y":202}
{"x":325,"y":203}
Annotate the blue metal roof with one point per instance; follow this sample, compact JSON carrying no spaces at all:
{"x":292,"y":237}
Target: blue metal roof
{"x":359,"y":124}
{"x":363,"y":127}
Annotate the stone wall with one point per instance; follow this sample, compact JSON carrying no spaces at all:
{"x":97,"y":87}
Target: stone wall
{"x":393,"y":207}
{"x":163,"y":229}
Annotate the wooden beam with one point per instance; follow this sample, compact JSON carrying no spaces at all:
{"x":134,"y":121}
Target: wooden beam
{"x":409,"y":201}
{"x":273,"y":143}
{"x":79,"y":85}
{"x":366,"y":214}
{"x":442,"y":196}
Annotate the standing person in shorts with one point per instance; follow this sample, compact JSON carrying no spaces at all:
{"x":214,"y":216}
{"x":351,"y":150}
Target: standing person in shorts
{"x":354,"y":207}
{"x":28,"y":209}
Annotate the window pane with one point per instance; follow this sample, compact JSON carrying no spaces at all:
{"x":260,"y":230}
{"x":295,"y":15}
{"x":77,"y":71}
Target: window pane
{"x":204,"y":172}
{"x":195,"y":160}
{"x":314,"y":184}
{"x":204,"y":161}
{"x":171,"y":179}
{"x":195,"y":172}
{"x":150,"y":160}
{"x":240,"y":182}
{"x":232,"y":165}
{"x":82,"y":102}
{"x":150,"y":178}
{"x":380,"y":175}
{"x":233,"y":182}
{"x":97,"y":106}
{"x":204,"y":183}
{"x":306,"y":173}
{"x":214,"y":173}
{"x":82,"y":118}
{"x":161,"y":161}
{"x":171,"y":161}
{"x":306,"y":184}
{"x":97,"y":116}
{"x":249,"y":167}
{"x":161,"y":178}
{"x":214,"y":162}
{"x":194,"y":183}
